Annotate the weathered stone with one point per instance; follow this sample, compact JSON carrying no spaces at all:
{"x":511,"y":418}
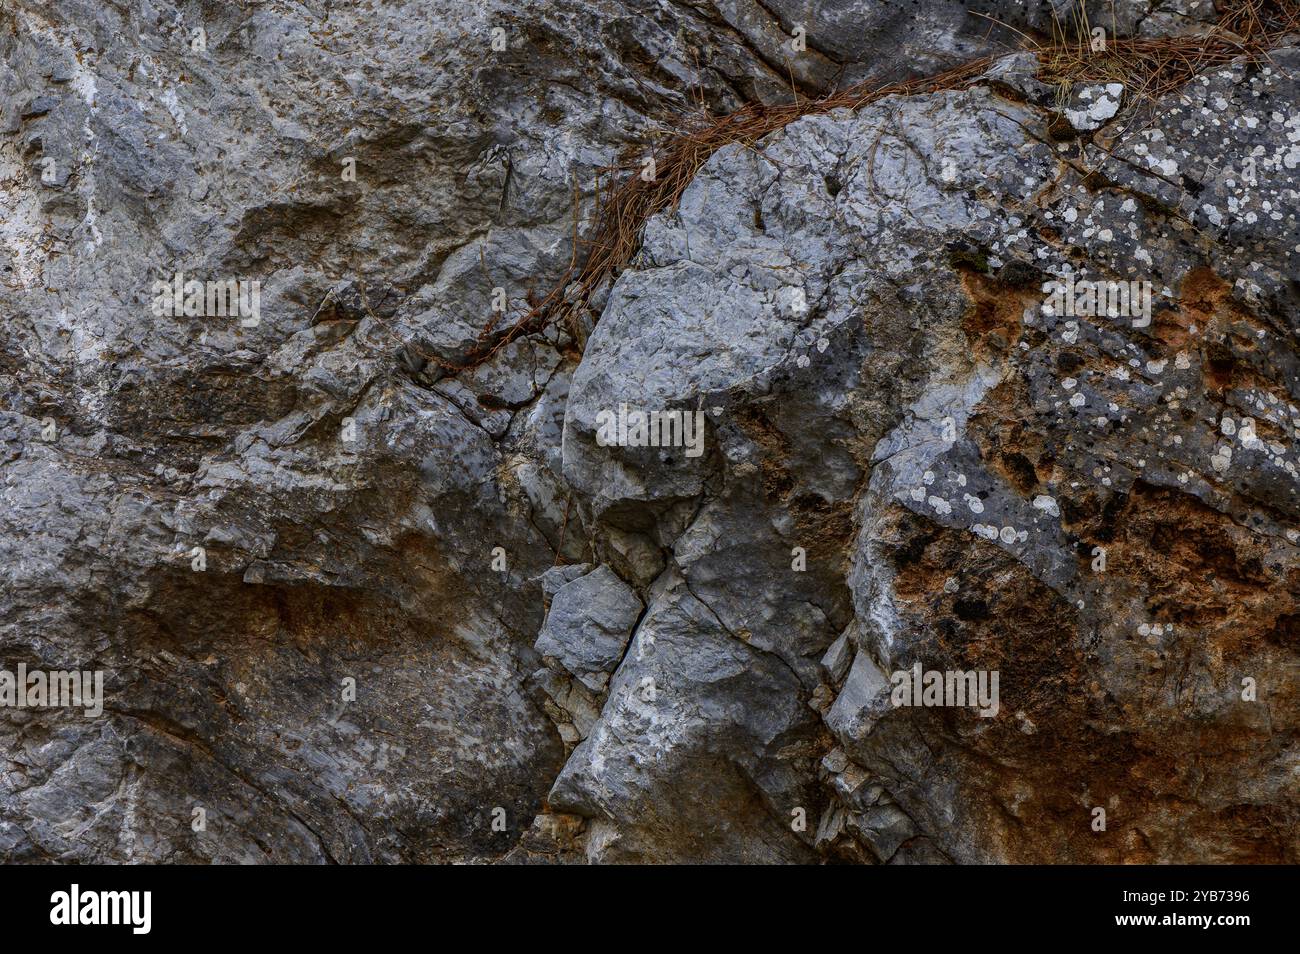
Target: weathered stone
{"x":589,"y":624}
{"x":340,"y":586}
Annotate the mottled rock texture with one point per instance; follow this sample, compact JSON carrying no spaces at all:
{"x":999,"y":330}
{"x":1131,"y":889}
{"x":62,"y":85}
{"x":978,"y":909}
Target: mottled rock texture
{"x":354,"y":603}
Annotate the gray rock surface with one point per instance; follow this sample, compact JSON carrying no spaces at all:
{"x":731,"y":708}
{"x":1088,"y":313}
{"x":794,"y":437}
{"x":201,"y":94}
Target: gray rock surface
{"x":354,"y":604}
{"x":981,"y":445}
{"x":588,"y":626}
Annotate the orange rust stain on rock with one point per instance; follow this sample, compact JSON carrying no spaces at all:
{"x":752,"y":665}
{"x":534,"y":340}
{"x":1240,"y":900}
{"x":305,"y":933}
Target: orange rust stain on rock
{"x":993,"y":320}
{"x":1011,"y":439}
{"x":828,"y":526}
{"x":1225,"y":334}
{"x":1202,"y":294}
{"x":1201,"y":570}
{"x":778,"y":482}
{"x":1087,"y":723}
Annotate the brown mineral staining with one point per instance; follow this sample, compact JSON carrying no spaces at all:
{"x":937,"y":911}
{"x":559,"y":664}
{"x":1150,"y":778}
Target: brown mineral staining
{"x":1199,"y":569}
{"x":825,"y":527}
{"x":830,"y":525}
{"x":353,"y":676}
{"x":1092,"y":713}
{"x":1012,"y":445}
{"x":1202,"y":295}
{"x":992,"y":322}
{"x":778,"y":482}
{"x":1228,"y":336}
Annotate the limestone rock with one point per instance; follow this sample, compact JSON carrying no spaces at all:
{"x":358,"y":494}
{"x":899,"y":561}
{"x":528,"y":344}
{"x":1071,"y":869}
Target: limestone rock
{"x":1001,"y":378}
{"x":589,"y":624}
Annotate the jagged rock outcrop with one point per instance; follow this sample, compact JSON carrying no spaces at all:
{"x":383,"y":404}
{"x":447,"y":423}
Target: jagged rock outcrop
{"x":984,"y":450}
{"x":356,"y":603}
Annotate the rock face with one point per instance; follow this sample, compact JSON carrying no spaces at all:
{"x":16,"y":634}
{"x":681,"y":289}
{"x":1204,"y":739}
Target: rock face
{"x":999,"y":381}
{"x":588,"y":626}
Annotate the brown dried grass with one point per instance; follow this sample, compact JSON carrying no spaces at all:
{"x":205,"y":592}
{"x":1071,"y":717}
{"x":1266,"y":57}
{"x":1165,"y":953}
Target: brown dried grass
{"x":1149,"y":68}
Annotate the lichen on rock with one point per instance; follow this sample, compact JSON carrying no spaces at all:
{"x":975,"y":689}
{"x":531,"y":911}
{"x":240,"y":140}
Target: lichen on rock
{"x":999,"y":377}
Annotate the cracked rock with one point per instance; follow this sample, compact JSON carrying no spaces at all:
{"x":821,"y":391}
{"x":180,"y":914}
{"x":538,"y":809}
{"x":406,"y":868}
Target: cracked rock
{"x":588,"y":626}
